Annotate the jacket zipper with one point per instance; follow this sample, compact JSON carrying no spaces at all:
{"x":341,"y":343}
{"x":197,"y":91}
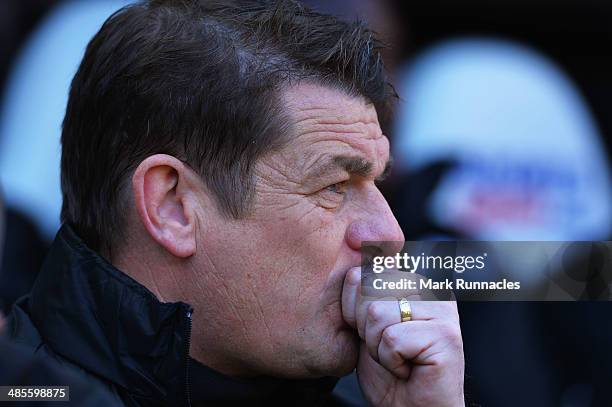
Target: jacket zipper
{"x":188,"y":342}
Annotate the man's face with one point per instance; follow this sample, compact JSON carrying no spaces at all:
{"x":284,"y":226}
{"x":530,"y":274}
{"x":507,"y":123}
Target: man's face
{"x":270,"y":284}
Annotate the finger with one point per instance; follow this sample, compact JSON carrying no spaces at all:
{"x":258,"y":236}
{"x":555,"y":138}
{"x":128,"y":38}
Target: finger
{"x":418,"y":343}
{"x":350,"y":291}
{"x":361,"y":309}
{"x":401,"y":343}
{"x":379,"y":315}
{"x":391,"y":284}
{"x":367,"y":297}
{"x":372,"y":371}
{"x":383,"y":313}
{"x":428,"y":310}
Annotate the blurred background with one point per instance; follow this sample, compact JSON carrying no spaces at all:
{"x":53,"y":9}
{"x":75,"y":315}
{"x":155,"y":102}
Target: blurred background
{"x":503,"y":132}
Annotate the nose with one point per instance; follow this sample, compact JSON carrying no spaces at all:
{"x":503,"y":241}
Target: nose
{"x":377,"y":226}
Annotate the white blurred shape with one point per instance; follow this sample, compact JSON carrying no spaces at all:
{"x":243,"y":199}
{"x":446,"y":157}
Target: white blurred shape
{"x":530,"y":161}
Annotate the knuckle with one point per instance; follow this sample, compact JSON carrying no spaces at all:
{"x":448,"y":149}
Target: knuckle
{"x":451,"y":333}
{"x":390,"y":338}
{"x":353,"y":277}
{"x":375,"y":312}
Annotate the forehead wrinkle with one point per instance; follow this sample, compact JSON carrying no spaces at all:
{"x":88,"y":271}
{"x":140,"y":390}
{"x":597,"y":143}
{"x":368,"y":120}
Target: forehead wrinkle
{"x":327,"y":121}
{"x":313,"y":112}
{"x":334,"y":115}
{"x":368,"y":130}
{"x":315,"y":108}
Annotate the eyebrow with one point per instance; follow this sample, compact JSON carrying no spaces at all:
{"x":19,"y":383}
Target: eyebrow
{"x":354,"y":165}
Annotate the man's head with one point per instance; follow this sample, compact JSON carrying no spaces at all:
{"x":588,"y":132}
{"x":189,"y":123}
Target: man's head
{"x":224,"y":153}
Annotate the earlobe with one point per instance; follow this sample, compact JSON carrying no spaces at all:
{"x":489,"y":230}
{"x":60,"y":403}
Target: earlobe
{"x":163,"y":201}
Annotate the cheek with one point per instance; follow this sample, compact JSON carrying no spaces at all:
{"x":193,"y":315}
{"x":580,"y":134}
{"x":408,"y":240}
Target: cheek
{"x":300,"y":250}
{"x":293,"y":269}
{"x":304,"y":247}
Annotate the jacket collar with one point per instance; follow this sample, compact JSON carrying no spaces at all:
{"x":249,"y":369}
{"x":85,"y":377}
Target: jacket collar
{"x":99,"y":318}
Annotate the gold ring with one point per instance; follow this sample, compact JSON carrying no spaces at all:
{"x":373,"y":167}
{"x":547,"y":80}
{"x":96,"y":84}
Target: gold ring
{"x":405,"y":310}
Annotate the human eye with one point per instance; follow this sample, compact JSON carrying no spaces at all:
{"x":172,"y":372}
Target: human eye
{"x":332,"y":196}
{"x":338,"y":188}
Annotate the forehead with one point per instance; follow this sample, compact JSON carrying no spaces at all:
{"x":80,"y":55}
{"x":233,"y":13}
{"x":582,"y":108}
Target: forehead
{"x":328,"y":121}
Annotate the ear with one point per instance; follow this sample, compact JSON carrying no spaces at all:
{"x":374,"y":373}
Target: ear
{"x":163,"y":199}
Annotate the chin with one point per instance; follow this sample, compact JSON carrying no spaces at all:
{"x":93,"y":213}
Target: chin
{"x":336,"y":358}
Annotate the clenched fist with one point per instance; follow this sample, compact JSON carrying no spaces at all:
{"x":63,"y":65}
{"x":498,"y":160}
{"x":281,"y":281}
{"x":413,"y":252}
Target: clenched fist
{"x":413,"y":363}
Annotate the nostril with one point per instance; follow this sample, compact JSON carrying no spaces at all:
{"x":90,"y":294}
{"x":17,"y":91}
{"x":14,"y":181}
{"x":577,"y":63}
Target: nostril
{"x":361,"y":231}
{"x":357,"y":232}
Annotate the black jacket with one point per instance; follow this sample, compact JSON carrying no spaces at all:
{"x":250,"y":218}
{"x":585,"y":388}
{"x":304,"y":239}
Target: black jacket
{"x":19,"y":367}
{"x":84,"y":313}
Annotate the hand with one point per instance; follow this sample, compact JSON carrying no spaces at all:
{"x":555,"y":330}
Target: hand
{"x":412,"y":363}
